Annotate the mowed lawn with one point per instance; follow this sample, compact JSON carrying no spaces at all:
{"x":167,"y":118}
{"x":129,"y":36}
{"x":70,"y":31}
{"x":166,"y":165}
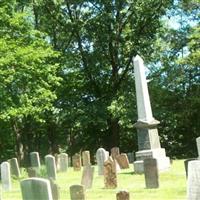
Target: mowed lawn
{"x":172,"y":185}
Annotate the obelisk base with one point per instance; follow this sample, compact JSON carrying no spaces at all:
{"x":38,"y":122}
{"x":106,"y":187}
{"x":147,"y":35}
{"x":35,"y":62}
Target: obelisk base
{"x":159,"y":154}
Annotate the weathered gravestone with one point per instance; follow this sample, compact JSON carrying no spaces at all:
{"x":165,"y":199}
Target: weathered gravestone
{"x":32,"y":172}
{"x":151,"y":173}
{"x":186,"y":165}
{"x":198,"y":146}
{"x":87,"y":176}
{"x":63,"y":162}
{"x":36,"y":189}
{"x":101,"y":156}
{"x":130,"y":157}
{"x":110,"y":173}
{"x":115,"y":152}
{"x":193,"y":183}
{"x":76,"y":162}
{"x":86,"y":158}
{"x":54,"y":189}
{"x":77,"y":192}
{"x":148,"y":139}
{"x":50,"y":166}
{"x":123,"y":195}
{"x":14,"y":167}
{"x":5,"y":176}
{"x":35,"y":160}
{"x":57,"y":160}
{"x":122,"y":160}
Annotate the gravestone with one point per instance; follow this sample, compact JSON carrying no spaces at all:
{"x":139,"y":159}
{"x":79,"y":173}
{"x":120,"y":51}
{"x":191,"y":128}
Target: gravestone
{"x":101,"y":156}
{"x":115,"y":152}
{"x":54,"y":189}
{"x":5,"y":176}
{"x":186,"y":165}
{"x":63,"y":162}
{"x":110,"y":174}
{"x":14,"y":167}
{"x":193,"y":183}
{"x":35,"y":160}
{"x":77,"y":192}
{"x":130,"y":157}
{"x":86,"y":158}
{"x":32,"y":172}
{"x":123,"y":195}
{"x":148,"y":139}
{"x":151,"y":173}
{"x":36,"y":189}
{"x":76,"y":162}
{"x":198,"y":146}
{"x":87,"y":176}
{"x":50,"y":166}
{"x":57,"y":160}
{"x":122,"y":160}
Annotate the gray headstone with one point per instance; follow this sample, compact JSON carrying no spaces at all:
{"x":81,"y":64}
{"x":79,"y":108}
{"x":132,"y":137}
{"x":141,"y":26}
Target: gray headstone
{"x":54,"y":189}
{"x":5,"y":176}
{"x":36,"y":189}
{"x":77,"y":192}
{"x":63,"y":162}
{"x":14,"y":167}
{"x":186,"y":164}
{"x":123,"y":195}
{"x":110,"y":174}
{"x":193,"y":183}
{"x":87,"y":176}
{"x":101,"y":156}
{"x":151,"y":173}
{"x":35,"y":159}
{"x":198,"y":146}
{"x":76,"y":162}
{"x":50,"y":166}
{"x":32,"y":172}
{"x":130,"y":157}
{"x":86,"y":158}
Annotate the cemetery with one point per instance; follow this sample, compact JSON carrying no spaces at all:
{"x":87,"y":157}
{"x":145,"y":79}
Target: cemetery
{"x":99,"y":100}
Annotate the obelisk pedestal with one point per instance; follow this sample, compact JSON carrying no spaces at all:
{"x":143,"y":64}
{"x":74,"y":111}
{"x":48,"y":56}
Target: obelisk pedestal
{"x":148,"y":138}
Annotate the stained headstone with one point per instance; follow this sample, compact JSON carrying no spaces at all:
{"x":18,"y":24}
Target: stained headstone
{"x":193,"y":183}
{"x":36,"y":188}
{"x":123,"y":195}
{"x":110,"y":174}
{"x":151,"y":173}
{"x":5,"y":176}
{"x":148,"y":138}
{"x":86,"y":158}
{"x":130,"y":157}
{"x":50,"y":166}
{"x":122,"y":159}
{"x":115,"y":152}
{"x":35,"y":159}
{"x":76,"y":162}
{"x":77,"y":192}
{"x":101,"y":156}
{"x":32,"y":172}
{"x":54,"y":189}
{"x":198,"y":146}
{"x":87,"y":176}
{"x":186,"y":164}
{"x":63,"y":162}
{"x":14,"y":167}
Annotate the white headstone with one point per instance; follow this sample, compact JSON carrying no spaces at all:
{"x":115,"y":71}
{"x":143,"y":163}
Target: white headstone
{"x":50,"y":166}
{"x":36,"y":189}
{"x":101,"y":156}
{"x":5,"y":176}
{"x":35,"y":160}
{"x":14,"y":167}
{"x":198,"y":146}
{"x":193,"y":183}
{"x":142,"y":94}
{"x":63,"y":162}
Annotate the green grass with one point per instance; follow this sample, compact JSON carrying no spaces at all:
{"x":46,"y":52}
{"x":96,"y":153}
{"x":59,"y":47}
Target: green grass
{"x":172,"y":185}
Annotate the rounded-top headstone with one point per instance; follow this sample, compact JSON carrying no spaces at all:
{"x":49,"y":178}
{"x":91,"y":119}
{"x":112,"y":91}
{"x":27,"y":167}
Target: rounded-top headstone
{"x":77,"y":192}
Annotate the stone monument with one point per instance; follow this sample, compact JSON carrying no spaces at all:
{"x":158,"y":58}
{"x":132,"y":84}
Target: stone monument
{"x":198,"y":146}
{"x":148,"y":139}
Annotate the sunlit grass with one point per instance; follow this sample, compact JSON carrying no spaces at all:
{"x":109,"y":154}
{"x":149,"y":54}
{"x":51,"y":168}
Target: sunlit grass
{"x":172,"y":185}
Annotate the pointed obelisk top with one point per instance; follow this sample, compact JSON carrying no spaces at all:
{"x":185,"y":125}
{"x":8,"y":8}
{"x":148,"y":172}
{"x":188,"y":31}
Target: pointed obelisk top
{"x":142,"y":94}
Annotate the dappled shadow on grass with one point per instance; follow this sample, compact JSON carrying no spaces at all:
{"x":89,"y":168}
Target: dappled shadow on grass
{"x":128,"y":173}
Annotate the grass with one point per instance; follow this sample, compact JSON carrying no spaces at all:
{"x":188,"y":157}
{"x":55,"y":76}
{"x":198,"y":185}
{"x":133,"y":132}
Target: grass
{"x":172,"y":185}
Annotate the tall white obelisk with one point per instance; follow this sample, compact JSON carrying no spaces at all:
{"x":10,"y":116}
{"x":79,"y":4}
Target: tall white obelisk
{"x":148,"y":139}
